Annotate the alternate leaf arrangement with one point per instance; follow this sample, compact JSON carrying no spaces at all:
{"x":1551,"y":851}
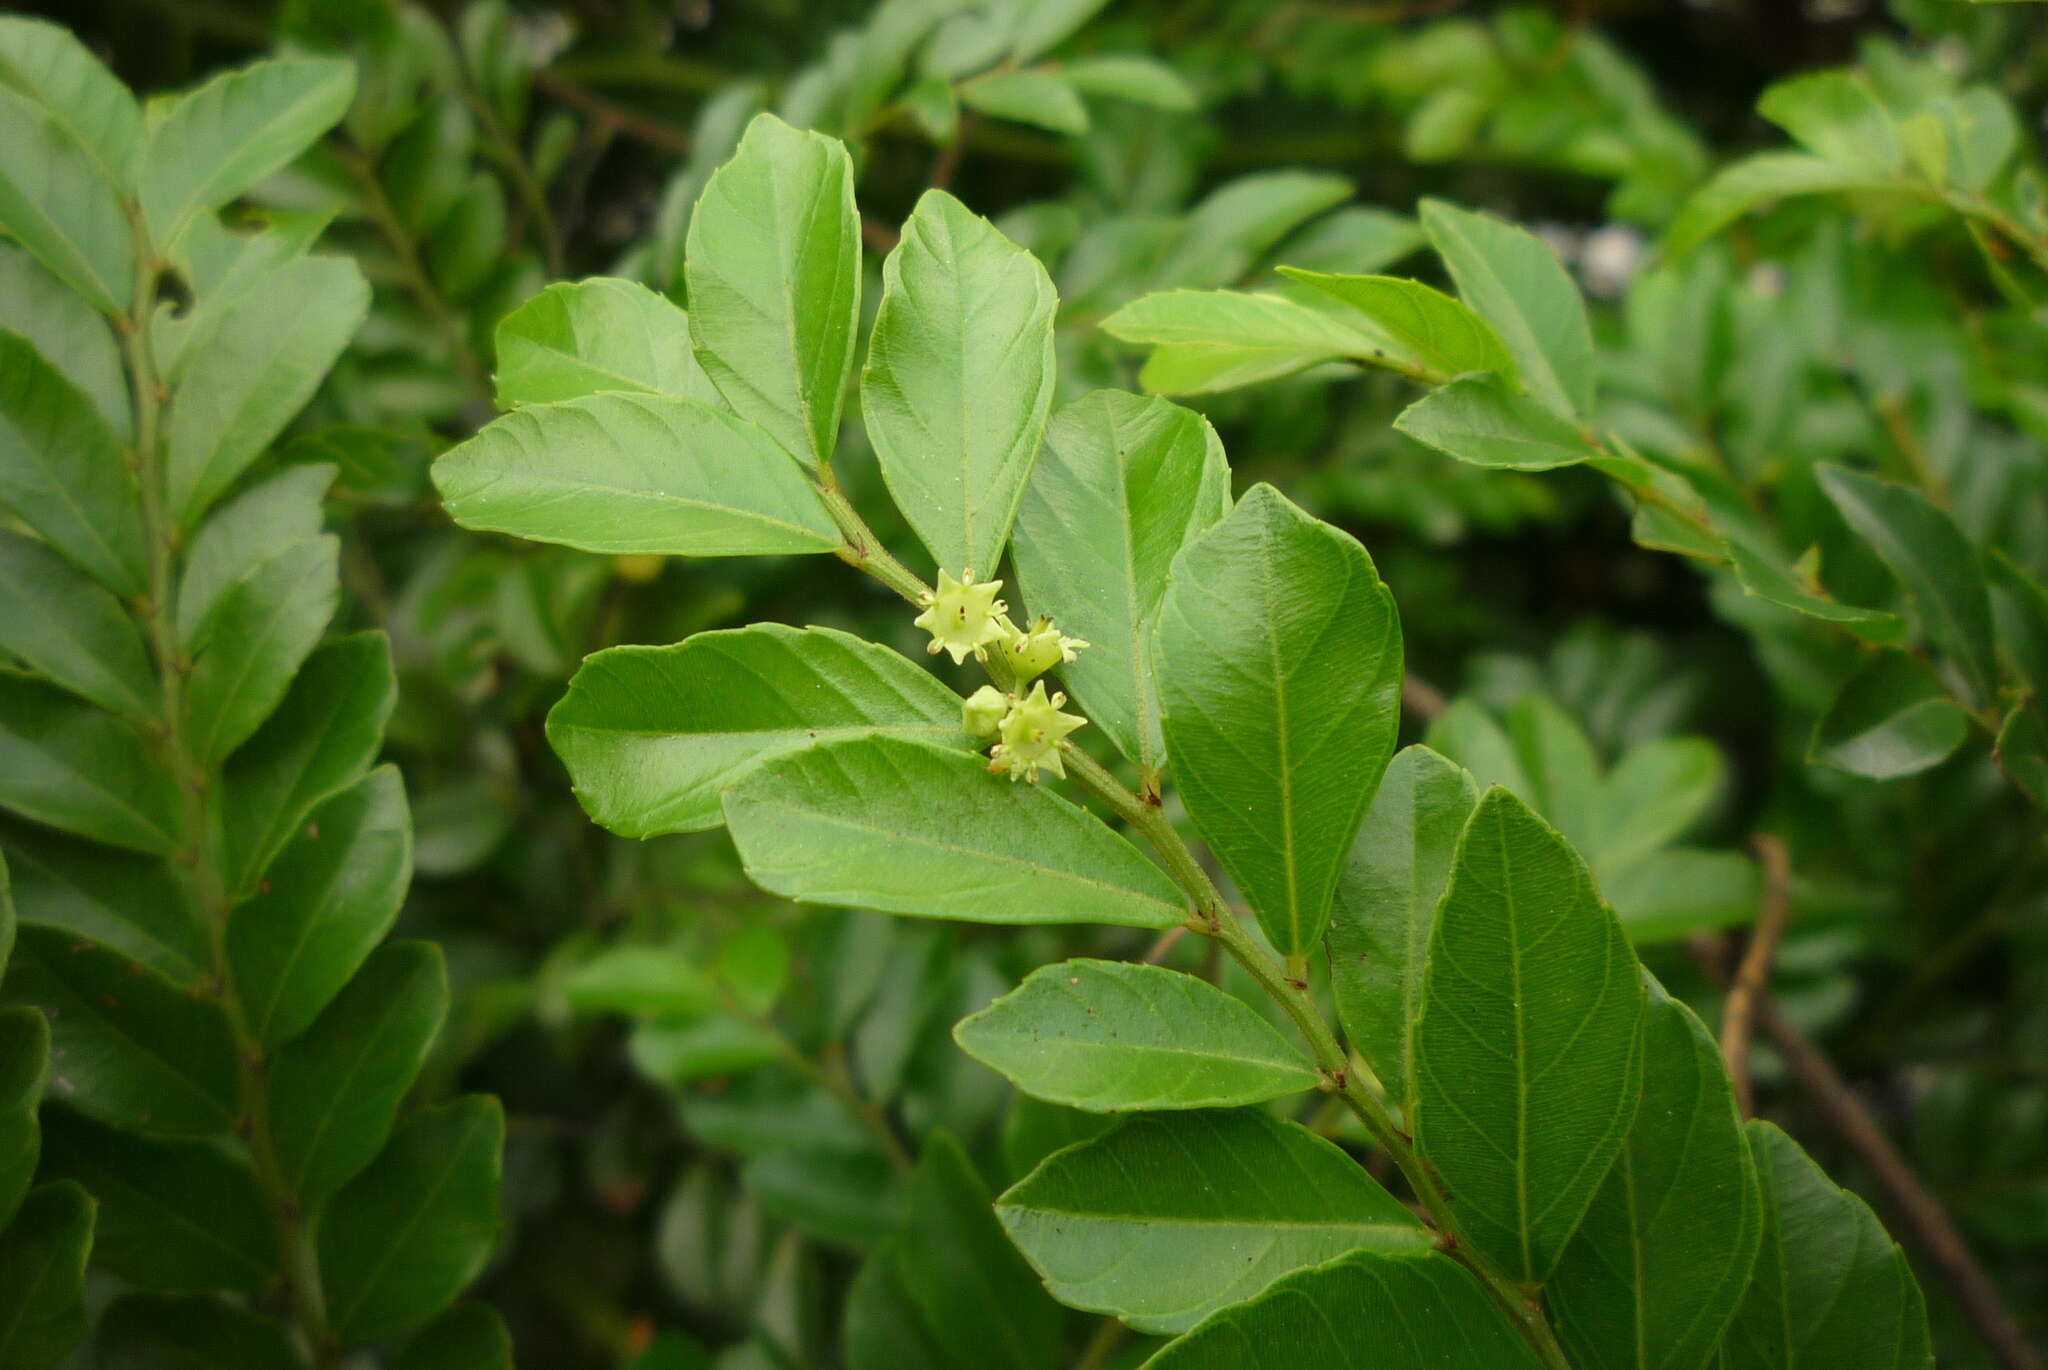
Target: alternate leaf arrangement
{"x":205,"y":859}
{"x":1567,"y":1179}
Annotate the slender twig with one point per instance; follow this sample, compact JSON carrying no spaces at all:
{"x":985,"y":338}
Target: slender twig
{"x":504,"y":149}
{"x":627,"y":121}
{"x":1421,"y":698}
{"x":1109,"y":1336}
{"x":1168,"y":940}
{"x":1752,"y":977}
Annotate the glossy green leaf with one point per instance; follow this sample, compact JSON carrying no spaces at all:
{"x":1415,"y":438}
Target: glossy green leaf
{"x":1270,"y":335}
{"x":327,"y":900}
{"x":1478,"y":420}
{"x":635,"y":473}
{"x":1169,"y":1218}
{"x":949,"y":1290}
{"x":1432,"y":330}
{"x":773,"y":270}
{"x":335,"y":1088}
{"x":1932,"y":559}
{"x":265,"y":357}
{"x":71,"y":631}
{"x":1837,"y":115}
{"x":1280,"y":680}
{"x":906,"y":827}
{"x":189,"y":1332}
{"x":71,"y":335}
{"x":652,"y":735}
{"x":264,"y":627}
{"x":63,"y":473}
{"x":1830,"y":1291}
{"x":1385,"y":910}
{"x":1364,"y":1311}
{"x":217,"y":141}
{"x":1028,"y":96}
{"x":1755,"y":181}
{"x":959,"y":379}
{"x":469,"y":1336}
{"x":318,"y":741}
{"x":1661,"y":1260}
{"x":131,"y":1050}
{"x":1121,"y":487}
{"x":42,"y":1277}
{"x":65,"y":763}
{"x":49,"y":65}
{"x":24,"y":1057}
{"x":172,"y":1214}
{"x":1532,"y":996}
{"x":1512,"y":279}
{"x":55,"y":201}
{"x":1112,"y":1037}
{"x":1890,"y":719}
{"x":403,"y":1238}
{"x":131,"y":904}
{"x":577,"y":338}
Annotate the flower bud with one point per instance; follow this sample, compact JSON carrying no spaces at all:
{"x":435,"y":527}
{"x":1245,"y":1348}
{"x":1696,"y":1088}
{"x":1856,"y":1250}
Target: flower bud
{"x":981,"y":713}
{"x":1034,"y":733}
{"x":962,"y":616}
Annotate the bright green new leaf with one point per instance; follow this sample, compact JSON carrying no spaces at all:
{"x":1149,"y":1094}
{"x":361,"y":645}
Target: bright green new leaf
{"x":1122,"y":486}
{"x":42,"y":1276}
{"x":652,"y":735}
{"x":133,"y":1050}
{"x":402,"y":1239}
{"x":1240,"y":334}
{"x":260,"y":631}
{"x":1892,"y":718}
{"x":131,"y":904}
{"x":1478,"y":420}
{"x":469,"y":1336}
{"x":773,"y":272}
{"x":1437,"y":332}
{"x":1660,"y":1262}
{"x":47,"y":63}
{"x":631,"y":473}
{"x":1280,"y":680}
{"x":1745,"y":185}
{"x":1831,"y":1291}
{"x":1513,"y":280}
{"x":215,"y":142}
{"x":327,"y":900}
{"x":902,"y":826}
{"x":1532,"y":995}
{"x":335,"y":1089}
{"x":1171,"y":1217}
{"x":71,"y":335}
{"x":55,"y":201}
{"x":189,"y":1332}
{"x":959,"y":379}
{"x":24,"y":1056}
{"x":1838,"y":116}
{"x":1385,"y":909}
{"x":1419,"y":1311}
{"x":1113,"y":1037}
{"x":63,"y":472}
{"x":65,"y":763}
{"x":579,"y":337}
{"x":71,"y":630}
{"x":1032,"y":95}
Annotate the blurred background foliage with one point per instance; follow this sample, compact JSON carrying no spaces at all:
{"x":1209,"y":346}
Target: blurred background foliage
{"x":705,"y":1084}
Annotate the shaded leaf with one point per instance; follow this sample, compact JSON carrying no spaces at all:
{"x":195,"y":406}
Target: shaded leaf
{"x":469,"y":1336}
{"x":24,"y":1057}
{"x":1512,"y":279}
{"x":189,"y":1332}
{"x":1478,"y":420}
{"x":68,"y":332}
{"x":1029,"y":96}
{"x":1890,"y":719}
{"x":56,"y":201}
{"x":263,"y":628}
{"x":131,"y":904}
{"x":1755,"y":181}
{"x":65,"y":763}
{"x":70,"y":630}
{"x":42,"y":1276}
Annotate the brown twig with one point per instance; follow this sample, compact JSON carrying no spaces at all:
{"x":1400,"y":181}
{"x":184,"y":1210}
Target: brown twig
{"x":1166,"y":943}
{"x":626,"y":121}
{"x":1421,"y":698}
{"x":947,"y":164}
{"x":1753,"y":976}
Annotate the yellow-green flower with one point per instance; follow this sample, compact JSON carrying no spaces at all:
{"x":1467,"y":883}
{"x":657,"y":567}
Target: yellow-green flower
{"x":963,"y":616}
{"x":981,"y":713}
{"x":1035,"y":652}
{"x":1034,"y":733}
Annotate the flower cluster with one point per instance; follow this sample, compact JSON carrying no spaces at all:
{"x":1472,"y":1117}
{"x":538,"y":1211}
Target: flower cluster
{"x":965,"y":618}
{"x":1029,"y":732}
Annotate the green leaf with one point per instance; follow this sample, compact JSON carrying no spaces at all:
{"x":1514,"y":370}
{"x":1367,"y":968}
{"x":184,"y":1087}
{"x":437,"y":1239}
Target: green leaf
{"x":847,"y":1198}
{"x":320,"y":740}
{"x":63,"y":473}
{"x":55,"y":201}
{"x":335,"y":1089}
{"x":1682,"y":890}
{"x":264,"y":358}
{"x":1033,"y":96}
{"x":645,"y":981}
{"x":2022,"y":750}
{"x":1228,"y":1203}
{"x":133,"y":905}
{"x":635,"y":473}
{"x":1111,"y":1037}
{"x":675,"y":1054}
{"x":7,"y":917}
{"x":1890,"y":719}
{"x":24,"y":1057}
{"x":327,"y":900}
{"x":1764,"y":577}
{"x":1139,"y":80}
{"x":1123,"y":484}
{"x":1737,"y":189}
{"x":1239,"y":332}
{"x":70,"y":630}
{"x":172,"y":1214}
{"x":1512,"y":279}
{"x":1532,"y":995}
{"x":215,"y":142}
{"x":1421,"y":1311}
{"x":1478,"y":420}
{"x":1041,"y":25}
{"x":403,"y":1238}
{"x":1431,"y":329}
{"x":773,"y":272}
{"x":1659,"y":1264}
{"x":1838,"y":116}
{"x":71,"y":335}
{"x":265,"y":626}
{"x":236,"y":540}
{"x":65,"y":763}
{"x":1280,"y":681}
{"x":1831,"y":1291}
{"x":959,"y":379}
{"x":1654,"y":793}
{"x":47,"y":64}
{"x":469,"y":1336}
{"x":901,"y":826}
{"x":949,"y":1290}
{"x":42,"y":1277}
{"x":189,"y":1332}
{"x":131,"y":1049}
{"x":1932,"y":559}
{"x":652,"y":735}
{"x":577,"y":338}
{"x":1385,"y":909}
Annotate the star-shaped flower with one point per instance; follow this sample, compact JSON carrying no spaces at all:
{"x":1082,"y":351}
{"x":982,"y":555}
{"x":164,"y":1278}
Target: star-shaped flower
{"x":1038,"y":651}
{"x":1034,"y":734}
{"x":963,"y":617}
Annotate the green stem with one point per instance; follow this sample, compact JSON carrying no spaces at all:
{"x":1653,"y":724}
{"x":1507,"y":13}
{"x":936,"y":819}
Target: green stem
{"x":862,"y":549}
{"x":195,"y":787}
